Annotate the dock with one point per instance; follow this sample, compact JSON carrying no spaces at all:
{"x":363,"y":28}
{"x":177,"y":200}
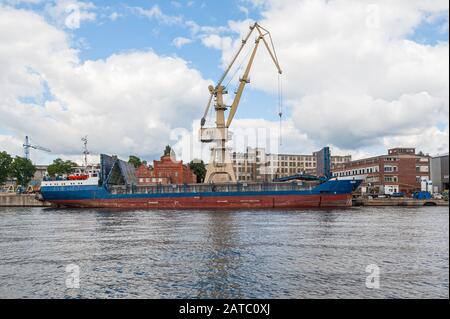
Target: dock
{"x":398,"y":202}
{"x":20,"y":200}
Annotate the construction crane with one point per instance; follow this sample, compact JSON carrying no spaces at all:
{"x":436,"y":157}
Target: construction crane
{"x":27,"y":146}
{"x":219,"y":168}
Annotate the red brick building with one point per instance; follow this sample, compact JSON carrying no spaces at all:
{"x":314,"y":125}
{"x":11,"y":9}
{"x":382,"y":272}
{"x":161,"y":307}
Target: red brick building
{"x":165,"y":171}
{"x":401,"y":170}
{"x":145,"y":176}
{"x":174,"y":171}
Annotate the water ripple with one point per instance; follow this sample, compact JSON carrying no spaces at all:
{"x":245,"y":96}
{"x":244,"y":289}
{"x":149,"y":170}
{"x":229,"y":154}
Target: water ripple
{"x":254,"y":254}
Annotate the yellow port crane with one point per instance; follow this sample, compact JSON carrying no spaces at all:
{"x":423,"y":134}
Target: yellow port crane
{"x":220,"y":168}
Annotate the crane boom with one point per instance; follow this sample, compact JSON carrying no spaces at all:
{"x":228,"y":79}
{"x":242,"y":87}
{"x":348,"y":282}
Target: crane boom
{"x":244,"y":41}
{"x":40,"y":148}
{"x":27,"y":146}
{"x":243,"y":81}
{"x":225,"y":73}
{"x":220,"y":161}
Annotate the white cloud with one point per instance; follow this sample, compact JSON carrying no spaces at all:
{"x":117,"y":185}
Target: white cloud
{"x":11,"y":144}
{"x":244,"y":10}
{"x":181,"y":41}
{"x":156,"y":13}
{"x":71,"y":13}
{"x":421,"y":141}
{"x":126,"y":104}
{"x":351,"y":77}
{"x":114,"y":16}
{"x":217,"y":42}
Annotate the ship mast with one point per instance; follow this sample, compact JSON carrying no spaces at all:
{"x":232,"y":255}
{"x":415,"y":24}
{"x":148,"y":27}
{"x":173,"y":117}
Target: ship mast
{"x":85,"y":150}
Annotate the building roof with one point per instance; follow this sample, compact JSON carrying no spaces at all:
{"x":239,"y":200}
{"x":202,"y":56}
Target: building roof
{"x":441,"y":155}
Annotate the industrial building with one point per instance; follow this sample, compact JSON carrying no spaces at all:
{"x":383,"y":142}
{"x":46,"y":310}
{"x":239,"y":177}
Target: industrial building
{"x":439,"y":173}
{"x":255,"y":165}
{"x":401,"y":170}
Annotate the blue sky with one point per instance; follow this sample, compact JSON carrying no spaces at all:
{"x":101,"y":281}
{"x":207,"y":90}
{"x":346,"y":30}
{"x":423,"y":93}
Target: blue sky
{"x":103,"y":37}
{"x":313,"y":79}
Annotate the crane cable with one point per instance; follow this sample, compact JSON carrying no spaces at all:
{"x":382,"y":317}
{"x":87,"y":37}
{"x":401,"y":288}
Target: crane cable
{"x":280,"y":105}
{"x":239,"y":66}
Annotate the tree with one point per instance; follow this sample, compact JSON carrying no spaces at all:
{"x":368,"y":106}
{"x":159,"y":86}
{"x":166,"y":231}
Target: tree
{"x":136,"y":161}
{"x":5,"y":166}
{"x":167,"y":150}
{"x":60,"y":167}
{"x":23,"y":170}
{"x":199,"y":169}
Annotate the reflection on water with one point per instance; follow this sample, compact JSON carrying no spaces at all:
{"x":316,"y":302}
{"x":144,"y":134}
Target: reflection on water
{"x":247,"y":254}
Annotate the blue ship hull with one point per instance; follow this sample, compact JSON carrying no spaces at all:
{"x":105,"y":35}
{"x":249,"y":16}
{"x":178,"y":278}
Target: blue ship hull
{"x":333,"y":193}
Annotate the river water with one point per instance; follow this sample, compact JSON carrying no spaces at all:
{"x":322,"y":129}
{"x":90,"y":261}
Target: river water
{"x":245,"y":254}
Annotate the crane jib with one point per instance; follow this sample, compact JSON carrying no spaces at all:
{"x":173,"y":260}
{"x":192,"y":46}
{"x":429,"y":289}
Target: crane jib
{"x":220,"y":163}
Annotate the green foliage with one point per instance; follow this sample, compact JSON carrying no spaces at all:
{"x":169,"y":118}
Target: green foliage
{"x":5,"y":166}
{"x":23,"y":170}
{"x":136,"y":161}
{"x":60,"y":167}
{"x":199,"y":169}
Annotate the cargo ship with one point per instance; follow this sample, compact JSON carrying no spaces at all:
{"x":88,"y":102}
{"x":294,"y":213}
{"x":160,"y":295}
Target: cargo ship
{"x":114,"y":186}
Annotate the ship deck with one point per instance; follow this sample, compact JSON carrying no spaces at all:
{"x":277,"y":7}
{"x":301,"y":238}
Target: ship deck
{"x":212,"y":188}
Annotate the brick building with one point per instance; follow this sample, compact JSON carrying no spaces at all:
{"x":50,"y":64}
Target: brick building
{"x":401,"y":170}
{"x":255,"y":165}
{"x":165,"y":171}
{"x":145,"y":177}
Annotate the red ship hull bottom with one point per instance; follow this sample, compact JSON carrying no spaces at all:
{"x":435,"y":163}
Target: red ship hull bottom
{"x":216,"y":202}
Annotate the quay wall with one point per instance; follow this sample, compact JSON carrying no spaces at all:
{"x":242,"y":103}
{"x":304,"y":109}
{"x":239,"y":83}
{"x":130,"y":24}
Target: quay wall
{"x":398,"y":202}
{"x":21,"y":200}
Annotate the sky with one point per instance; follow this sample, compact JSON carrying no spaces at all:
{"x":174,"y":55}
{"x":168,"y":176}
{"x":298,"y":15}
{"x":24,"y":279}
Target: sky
{"x":358,"y":76}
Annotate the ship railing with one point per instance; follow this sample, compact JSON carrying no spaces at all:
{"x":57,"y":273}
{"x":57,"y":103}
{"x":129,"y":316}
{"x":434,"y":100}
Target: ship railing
{"x":210,"y":188}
